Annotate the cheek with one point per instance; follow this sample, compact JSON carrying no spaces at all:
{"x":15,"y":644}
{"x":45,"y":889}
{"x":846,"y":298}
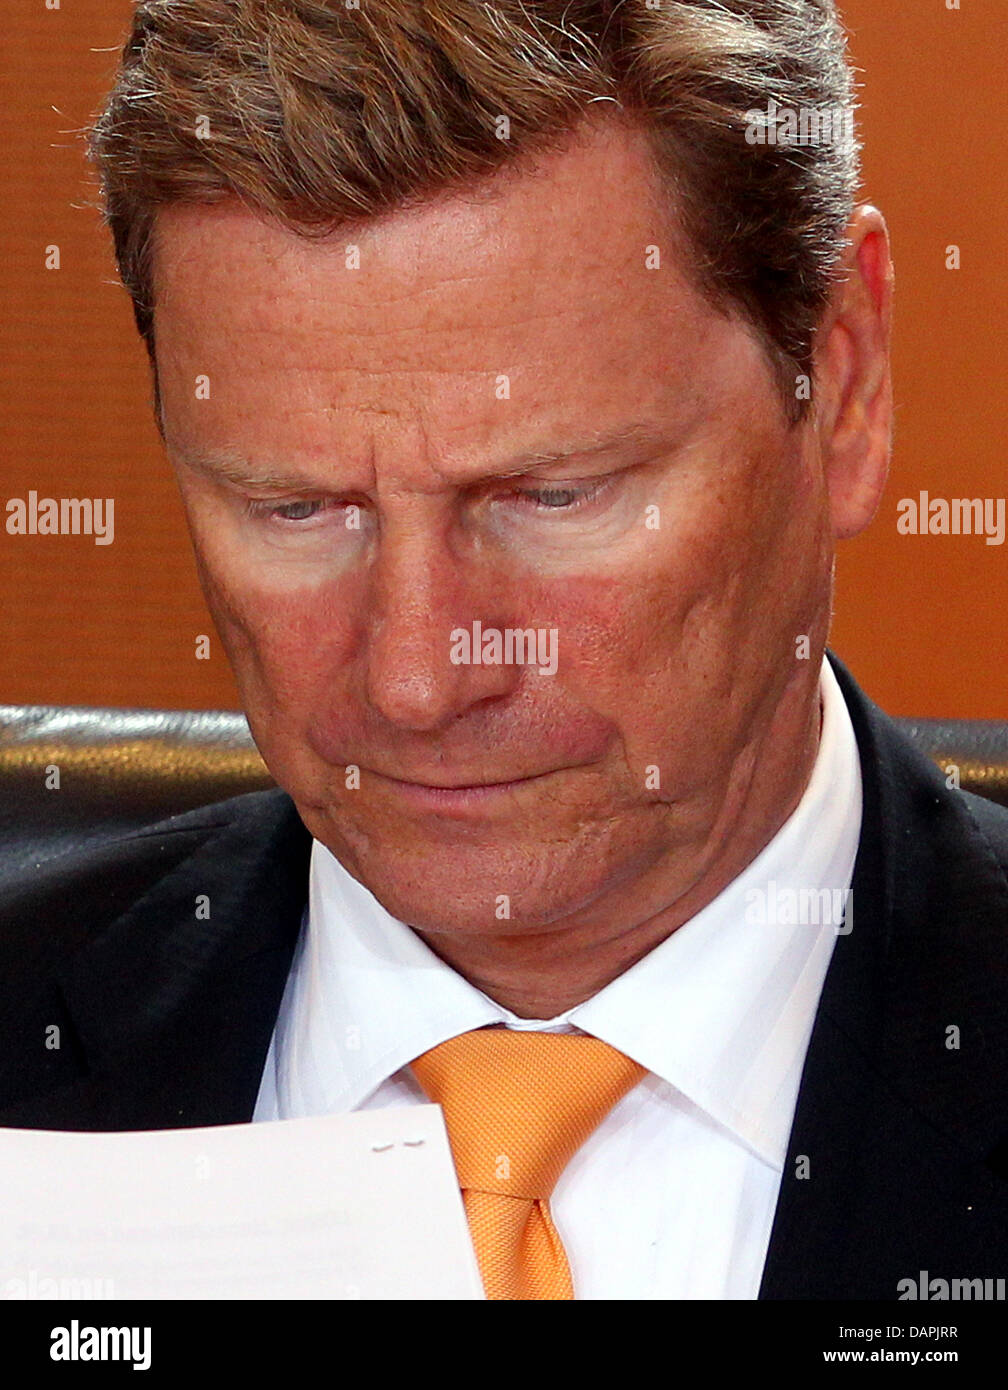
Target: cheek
{"x":607,"y":630}
{"x":665,"y":647}
{"x":286,"y":646}
{"x":667,"y":609}
{"x":620,"y":652}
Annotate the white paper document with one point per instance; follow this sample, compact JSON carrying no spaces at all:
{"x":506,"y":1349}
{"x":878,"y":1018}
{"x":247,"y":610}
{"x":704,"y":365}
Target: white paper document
{"x":364,"y":1205}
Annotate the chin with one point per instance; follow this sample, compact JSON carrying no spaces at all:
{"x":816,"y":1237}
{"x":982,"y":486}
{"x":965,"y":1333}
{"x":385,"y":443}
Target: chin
{"x":478,"y":885}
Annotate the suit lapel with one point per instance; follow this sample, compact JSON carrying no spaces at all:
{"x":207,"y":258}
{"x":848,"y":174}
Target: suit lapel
{"x":174,"y":1003}
{"x":893,"y":1130}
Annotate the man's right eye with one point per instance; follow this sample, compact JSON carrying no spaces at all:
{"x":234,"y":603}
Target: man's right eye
{"x":268,"y":510}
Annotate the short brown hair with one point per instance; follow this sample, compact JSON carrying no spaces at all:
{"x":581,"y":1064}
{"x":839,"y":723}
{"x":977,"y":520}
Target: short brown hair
{"x":319,"y":114}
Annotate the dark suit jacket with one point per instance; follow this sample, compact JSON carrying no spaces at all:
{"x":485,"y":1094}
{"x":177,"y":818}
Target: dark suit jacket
{"x":165,"y":1019}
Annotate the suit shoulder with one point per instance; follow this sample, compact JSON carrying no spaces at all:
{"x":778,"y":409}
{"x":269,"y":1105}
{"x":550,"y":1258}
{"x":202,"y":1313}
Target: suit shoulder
{"x":991,"y":819}
{"x":78,"y":891}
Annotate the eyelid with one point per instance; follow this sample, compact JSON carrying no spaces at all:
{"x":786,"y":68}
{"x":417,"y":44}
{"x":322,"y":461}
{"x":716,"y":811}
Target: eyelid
{"x":589,"y":487}
{"x":577,"y":487}
{"x":266,"y":508}
{"x":558,"y":479}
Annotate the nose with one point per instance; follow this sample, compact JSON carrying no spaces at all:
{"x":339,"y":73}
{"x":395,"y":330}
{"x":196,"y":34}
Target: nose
{"x":421,"y":591}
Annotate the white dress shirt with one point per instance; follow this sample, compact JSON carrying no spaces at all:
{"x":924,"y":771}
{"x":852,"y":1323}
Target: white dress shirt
{"x":673,"y":1196}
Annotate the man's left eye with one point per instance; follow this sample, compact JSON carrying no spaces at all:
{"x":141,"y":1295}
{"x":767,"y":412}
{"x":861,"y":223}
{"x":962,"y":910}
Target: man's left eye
{"x":557,"y":499}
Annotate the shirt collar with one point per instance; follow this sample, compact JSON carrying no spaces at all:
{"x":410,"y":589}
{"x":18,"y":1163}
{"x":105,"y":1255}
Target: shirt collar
{"x":722,"y":1010}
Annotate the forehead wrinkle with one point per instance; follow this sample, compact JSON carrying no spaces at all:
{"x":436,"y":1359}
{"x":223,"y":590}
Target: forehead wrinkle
{"x":318,"y":324}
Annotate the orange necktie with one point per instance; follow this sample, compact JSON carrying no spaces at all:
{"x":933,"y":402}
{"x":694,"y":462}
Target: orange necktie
{"x":518,"y":1106}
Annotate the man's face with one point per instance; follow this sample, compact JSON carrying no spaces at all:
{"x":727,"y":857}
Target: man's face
{"x":454,"y":388}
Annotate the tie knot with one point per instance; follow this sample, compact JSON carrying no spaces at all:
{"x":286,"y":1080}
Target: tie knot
{"x":519,"y":1105}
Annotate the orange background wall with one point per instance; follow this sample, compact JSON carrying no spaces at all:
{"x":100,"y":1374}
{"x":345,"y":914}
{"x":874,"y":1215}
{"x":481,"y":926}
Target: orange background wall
{"x":920,"y":620}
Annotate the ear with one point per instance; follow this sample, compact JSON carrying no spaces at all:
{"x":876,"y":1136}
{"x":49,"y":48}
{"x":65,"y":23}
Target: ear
{"x":853,"y":381}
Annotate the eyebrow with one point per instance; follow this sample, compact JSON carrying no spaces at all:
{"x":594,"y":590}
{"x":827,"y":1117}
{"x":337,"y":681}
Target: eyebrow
{"x":228,"y":465}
